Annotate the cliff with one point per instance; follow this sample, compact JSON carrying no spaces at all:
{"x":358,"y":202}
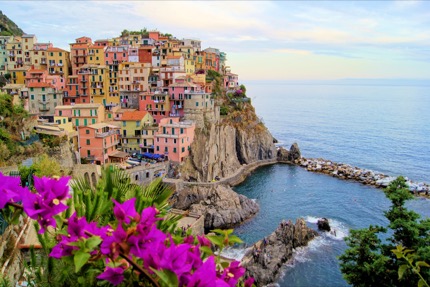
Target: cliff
{"x":221,"y":146}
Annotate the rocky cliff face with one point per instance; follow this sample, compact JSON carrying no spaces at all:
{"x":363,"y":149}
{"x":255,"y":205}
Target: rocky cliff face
{"x":221,"y":206}
{"x":264,"y":260}
{"x":221,"y":148}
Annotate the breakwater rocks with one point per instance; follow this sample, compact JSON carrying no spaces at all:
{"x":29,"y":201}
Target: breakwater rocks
{"x":264,"y":260}
{"x":221,"y":206}
{"x":365,"y":176}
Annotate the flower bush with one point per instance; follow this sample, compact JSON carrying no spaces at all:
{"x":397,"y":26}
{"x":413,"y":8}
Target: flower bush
{"x":129,"y":249}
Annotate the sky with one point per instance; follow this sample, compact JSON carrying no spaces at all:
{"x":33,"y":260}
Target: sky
{"x":264,"y":40}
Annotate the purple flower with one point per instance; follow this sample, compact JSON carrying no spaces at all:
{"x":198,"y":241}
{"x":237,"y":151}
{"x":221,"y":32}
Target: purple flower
{"x":203,"y":241}
{"x":175,"y":259}
{"x":203,"y":276}
{"x":63,"y":248}
{"x":113,"y":244}
{"x":141,"y":243}
{"x":124,"y":211}
{"x":50,"y":188}
{"x":248,"y":282}
{"x":31,"y":204}
{"x":232,"y":273}
{"x":147,"y":220}
{"x":76,"y":226}
{"x":114,"y":275}
{"x":10,"y":188}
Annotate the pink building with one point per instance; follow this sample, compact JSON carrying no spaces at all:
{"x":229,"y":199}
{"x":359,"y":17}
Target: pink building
{"x":98,"y":142}
{"x":231,"y":81}
{"x":174,"y":139}
{"x":157,"y":104}
{"x":177,"y":91}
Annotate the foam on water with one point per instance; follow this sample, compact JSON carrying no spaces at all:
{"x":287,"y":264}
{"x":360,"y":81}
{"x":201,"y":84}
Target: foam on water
{"x":339,"y":230}
{"x":234,"y":253}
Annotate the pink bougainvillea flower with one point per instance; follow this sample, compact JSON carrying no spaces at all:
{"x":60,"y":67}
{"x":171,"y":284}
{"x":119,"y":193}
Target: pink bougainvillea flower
{"x":203,"y":276}
{"x":248,"y":282}
{"x":232,"y":273}
{"x":63,"y":248}
{"x":114,"y":275}
{"x":10,"y":188}
{"x":51,"y":188}
{"x":125,"y":211}
{"x":175,"y":259}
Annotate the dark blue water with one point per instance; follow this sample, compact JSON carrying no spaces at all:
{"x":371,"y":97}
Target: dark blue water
{"x":378,"y":127}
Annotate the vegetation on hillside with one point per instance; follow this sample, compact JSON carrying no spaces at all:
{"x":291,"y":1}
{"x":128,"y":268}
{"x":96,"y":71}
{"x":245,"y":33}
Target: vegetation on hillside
{"x":13,"y":120}
{"x":399,"y":260}
{"x":8,"y":27}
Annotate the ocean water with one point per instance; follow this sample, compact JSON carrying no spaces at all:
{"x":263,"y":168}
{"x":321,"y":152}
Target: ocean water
{"x":379,"y":127}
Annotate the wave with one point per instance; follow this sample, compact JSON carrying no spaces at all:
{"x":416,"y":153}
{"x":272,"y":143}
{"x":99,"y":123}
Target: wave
{"x":234,"y":253}
{"x":339,"y":230}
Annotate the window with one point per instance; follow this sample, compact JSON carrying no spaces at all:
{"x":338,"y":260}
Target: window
{"x":166,"y":149}
{"x":87,"y":132}
{"x":174,"y":141}
{"x":183,"y":149}
{"x":88,"y":142}
{"x":32,"y":89}
{"x":93,"y":121}
{"x":158,"y":148}
{"x":32,"y":97}
{"x":165,"y":140}
{"x":137,"y":123}
{"x":197,"y":104}
{"x":182,"y":130}
{"x":174,"y":150}
{"x":55,"y":96}
{"x":124,"y":123}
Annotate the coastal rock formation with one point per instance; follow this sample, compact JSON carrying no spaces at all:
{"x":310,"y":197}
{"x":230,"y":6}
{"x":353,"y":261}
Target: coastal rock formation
{"x":221,"y":206}
{"x":221,"y":148}
{"x":264,"y":260}
{"x":292,"y":155}
{"x":323,"y":224}
{"x":364,"y":176}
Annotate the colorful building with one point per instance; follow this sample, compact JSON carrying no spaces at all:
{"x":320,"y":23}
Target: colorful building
{"x":174,"y":139}
{"x":97,"y":142}
{"x":177,"y":91}
{"x":43,"y":98}
{"x":96,"y":55}
{"x":58,"y":62}
{"x":156,"y":103}
{"x":137,"y":132}
{"x":79,"y":53}
{"x":87,"y":114}
{"x":4,"y":54}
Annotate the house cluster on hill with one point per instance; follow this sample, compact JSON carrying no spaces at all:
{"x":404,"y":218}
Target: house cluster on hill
{"x":138,"y":93}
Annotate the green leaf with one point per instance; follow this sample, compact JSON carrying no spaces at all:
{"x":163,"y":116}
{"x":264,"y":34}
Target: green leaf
{"x":80,"y":258}
{"x":218,"y":231}
{"x":92,"y":242}
{"x":206,"y":250}
{"x":167,"y":277}
{"x":216,"y":240}
{"x":234,"y":239}
{"x":422,"y":264}
{"x":422,"y":283}
{"x":402,"y":270}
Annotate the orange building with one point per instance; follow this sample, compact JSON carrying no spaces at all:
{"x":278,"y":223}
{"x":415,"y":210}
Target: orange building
{"x":97,"y":142}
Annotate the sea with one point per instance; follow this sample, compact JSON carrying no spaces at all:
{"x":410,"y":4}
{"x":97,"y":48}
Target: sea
{"x":374,"y":124}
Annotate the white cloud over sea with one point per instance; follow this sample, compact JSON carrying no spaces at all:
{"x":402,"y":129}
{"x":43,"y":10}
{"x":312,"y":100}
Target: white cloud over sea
{"x":263,"y":39}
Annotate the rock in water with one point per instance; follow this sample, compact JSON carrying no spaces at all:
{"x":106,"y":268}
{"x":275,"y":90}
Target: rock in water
{"x":282,"y":154}
{"x":294,"y":153}
{"x":221,"y":206}
{"x":323,"y":224}
{"x":264,"y":260}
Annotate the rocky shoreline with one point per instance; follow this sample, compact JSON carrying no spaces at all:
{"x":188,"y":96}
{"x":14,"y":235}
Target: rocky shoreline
{"x":364,"y":176}
{"x":345,"y":171}
{"x":263,"y":261}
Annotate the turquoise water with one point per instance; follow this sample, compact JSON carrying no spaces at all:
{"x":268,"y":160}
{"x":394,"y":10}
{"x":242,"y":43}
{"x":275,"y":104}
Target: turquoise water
{"x":378,"y":127}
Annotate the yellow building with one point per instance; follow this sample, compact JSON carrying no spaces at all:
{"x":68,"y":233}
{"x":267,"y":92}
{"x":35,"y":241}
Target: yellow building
{"x":137,"y":132}
{"x":96,"y":55}
{"x":38,"y":55}
{"x":58,"y":61}
{"x":98,"y":79}
{"x":17,"y":75}
{"x":133,"y":76}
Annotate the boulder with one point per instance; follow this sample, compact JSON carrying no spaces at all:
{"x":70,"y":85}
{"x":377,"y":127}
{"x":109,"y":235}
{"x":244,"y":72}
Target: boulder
{"x":294,"y":153}
{"x":221,"y":206}
{"x":323,"y":224}
{"x":282,"y":154}
{"x":264,"y":260}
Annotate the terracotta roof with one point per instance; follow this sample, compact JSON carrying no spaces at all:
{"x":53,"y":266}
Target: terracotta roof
{"x":54,"y":49}
{"x":39,"y":85}
{"x":36,"y":71}
{"x":133,"y":116}
{"x":79,"y":46}
{"x":96,"y":47}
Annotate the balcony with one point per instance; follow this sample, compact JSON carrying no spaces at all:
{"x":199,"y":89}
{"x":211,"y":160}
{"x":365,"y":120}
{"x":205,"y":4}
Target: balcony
{"x":44,"y":109}
{"x":12,"y":54}
{"x":83,"y":80}
{"x":43,"y":102}
{"x":60,"y":64}
{"x":105,"y":134}
{"x":51,"y":64}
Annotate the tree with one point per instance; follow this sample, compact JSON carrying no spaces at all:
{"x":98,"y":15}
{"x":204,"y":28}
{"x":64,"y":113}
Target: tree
{"x":370,"y":261}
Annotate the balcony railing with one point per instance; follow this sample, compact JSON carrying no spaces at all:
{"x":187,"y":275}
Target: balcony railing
{"x":105,"y":134}
{"x":43,"y":102}
{"x":43,"y":109}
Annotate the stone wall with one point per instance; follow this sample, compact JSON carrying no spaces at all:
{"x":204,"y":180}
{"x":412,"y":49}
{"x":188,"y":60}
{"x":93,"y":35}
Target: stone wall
{"x":144,"y":174}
